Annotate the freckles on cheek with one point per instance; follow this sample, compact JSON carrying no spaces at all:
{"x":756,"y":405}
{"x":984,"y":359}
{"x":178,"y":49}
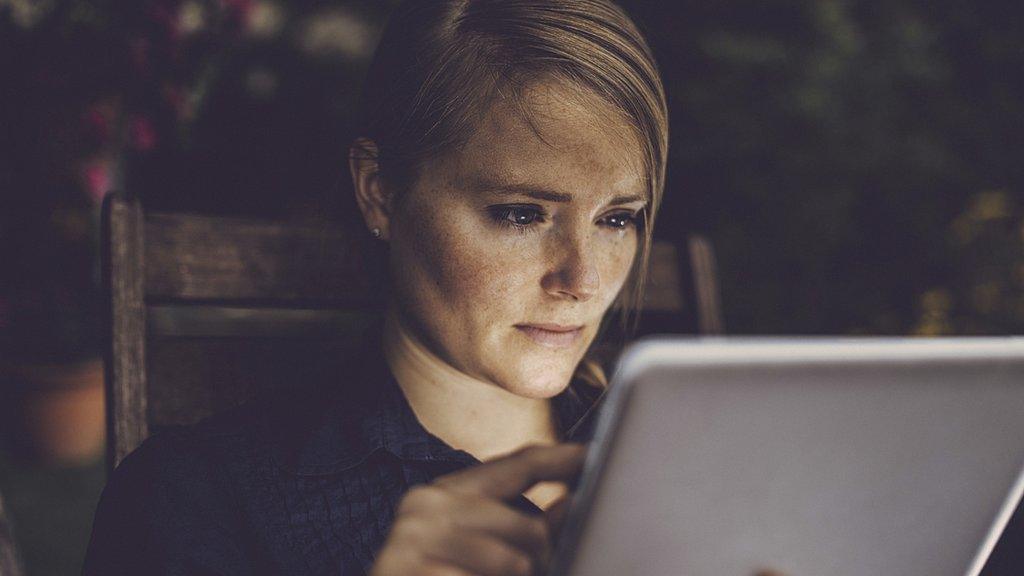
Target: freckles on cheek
{"x":485,"y":274}
{"x":464,"y":266}
{"x":616,"y":268}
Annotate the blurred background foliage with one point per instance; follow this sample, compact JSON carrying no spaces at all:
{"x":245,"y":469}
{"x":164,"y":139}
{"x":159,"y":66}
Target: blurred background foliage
{"x":857,"y":164}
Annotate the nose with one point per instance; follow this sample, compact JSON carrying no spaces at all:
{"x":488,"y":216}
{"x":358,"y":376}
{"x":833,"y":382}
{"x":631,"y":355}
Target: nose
{"x":575,"y":275}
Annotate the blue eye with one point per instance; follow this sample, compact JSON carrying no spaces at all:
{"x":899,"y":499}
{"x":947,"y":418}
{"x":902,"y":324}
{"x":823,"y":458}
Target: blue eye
{"x":620,"y":220}
{"x":518,"y":217}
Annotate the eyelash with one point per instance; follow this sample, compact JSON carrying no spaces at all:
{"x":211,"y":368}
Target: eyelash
{"x":503,"y":216}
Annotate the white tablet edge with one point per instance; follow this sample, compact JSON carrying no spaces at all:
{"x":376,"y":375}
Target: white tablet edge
{"x":596,"y":457}
{"x":995,"y":531}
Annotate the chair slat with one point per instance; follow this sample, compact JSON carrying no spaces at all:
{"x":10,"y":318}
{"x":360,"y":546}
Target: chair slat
{"x":190,"y":257}
{"x":10,"y":562}
{"x":125,"y":372}
{"x":707,"y":295}
{"x":233,"y":322}
{"x":664,"y":292}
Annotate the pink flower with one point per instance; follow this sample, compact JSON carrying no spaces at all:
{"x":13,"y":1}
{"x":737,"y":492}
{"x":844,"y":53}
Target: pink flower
{"x":97,"y":179}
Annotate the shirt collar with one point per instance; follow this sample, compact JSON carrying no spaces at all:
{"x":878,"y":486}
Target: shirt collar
{"x":373,"y":414}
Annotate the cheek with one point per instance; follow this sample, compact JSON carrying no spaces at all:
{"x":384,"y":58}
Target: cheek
{"x":615,"y":265}
{"x":456,"y":266}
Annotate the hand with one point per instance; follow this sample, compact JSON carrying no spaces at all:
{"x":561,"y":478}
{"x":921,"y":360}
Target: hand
{"x":461,"y":525}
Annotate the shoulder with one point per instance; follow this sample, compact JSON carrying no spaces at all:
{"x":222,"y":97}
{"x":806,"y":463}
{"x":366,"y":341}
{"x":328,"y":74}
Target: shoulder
{"x":164,"y":504}
{"x":270,"y":430}
{"x":197,"y":498}
{"x":188,"y":497}
{"x":178,"y":457}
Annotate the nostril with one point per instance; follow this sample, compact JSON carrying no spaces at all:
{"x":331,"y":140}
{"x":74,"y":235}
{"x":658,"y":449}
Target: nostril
{"x":576,"y":275}
{"x":576,"y":284}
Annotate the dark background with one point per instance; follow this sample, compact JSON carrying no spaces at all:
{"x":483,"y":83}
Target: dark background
{"x":857,"y":164}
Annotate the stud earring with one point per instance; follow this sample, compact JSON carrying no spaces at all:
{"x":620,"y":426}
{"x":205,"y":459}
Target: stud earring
{"x":376,"y":233}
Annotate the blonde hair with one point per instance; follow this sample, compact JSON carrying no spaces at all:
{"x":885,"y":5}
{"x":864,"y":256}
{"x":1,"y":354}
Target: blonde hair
{"x":440,"y":63}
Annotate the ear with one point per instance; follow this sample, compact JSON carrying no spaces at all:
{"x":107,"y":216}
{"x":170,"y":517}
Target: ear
{"x":374,"y":201}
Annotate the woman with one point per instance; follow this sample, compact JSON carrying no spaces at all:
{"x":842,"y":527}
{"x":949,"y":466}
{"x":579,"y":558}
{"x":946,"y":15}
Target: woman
{"x":512,"y":159}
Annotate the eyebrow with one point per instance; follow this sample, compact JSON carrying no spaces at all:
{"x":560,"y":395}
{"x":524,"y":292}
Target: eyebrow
{"x":548,"y":195}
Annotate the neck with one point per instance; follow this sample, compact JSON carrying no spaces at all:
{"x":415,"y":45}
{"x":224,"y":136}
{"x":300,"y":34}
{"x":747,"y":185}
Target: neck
{"x":468,"y":413}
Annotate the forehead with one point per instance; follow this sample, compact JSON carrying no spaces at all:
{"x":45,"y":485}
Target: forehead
{"x":556,"y":137}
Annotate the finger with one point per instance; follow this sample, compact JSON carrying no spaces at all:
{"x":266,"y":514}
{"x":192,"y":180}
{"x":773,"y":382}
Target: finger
{"x":434,"y":568}
{"x":444,"y":508}
{"x":411,"y":562}
{"x":479,"y":553}
{"x":511,"y":475}
{"x":528,"y":533}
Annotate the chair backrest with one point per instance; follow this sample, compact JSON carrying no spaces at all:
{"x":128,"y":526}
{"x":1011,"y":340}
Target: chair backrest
{"x":10,"y":563}
{"x":205,"y":311}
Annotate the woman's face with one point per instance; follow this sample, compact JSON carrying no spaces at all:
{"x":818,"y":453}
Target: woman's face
{"x":506,"y":254}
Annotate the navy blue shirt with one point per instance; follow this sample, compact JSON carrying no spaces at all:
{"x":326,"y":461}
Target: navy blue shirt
{"x":302,"y":481}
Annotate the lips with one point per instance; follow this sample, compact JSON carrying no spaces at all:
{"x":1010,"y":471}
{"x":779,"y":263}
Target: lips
{"x":552,"y":335}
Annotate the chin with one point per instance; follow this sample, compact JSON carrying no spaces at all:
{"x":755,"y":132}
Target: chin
{"x":539,"y":382}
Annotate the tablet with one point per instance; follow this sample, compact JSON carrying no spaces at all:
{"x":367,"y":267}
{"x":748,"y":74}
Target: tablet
{"x":841,"y":457}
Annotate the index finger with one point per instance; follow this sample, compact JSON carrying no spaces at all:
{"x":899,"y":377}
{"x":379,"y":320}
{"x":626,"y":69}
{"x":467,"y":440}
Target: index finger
{"x":511,"y":475}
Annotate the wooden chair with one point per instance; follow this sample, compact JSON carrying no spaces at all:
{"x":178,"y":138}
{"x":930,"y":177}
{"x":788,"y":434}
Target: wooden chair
{"x":10,"y":563}
{"x":204,"y":311}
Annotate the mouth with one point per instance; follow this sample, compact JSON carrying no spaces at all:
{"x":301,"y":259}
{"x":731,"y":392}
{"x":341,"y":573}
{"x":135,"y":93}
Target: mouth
{"x":552,"y":335}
